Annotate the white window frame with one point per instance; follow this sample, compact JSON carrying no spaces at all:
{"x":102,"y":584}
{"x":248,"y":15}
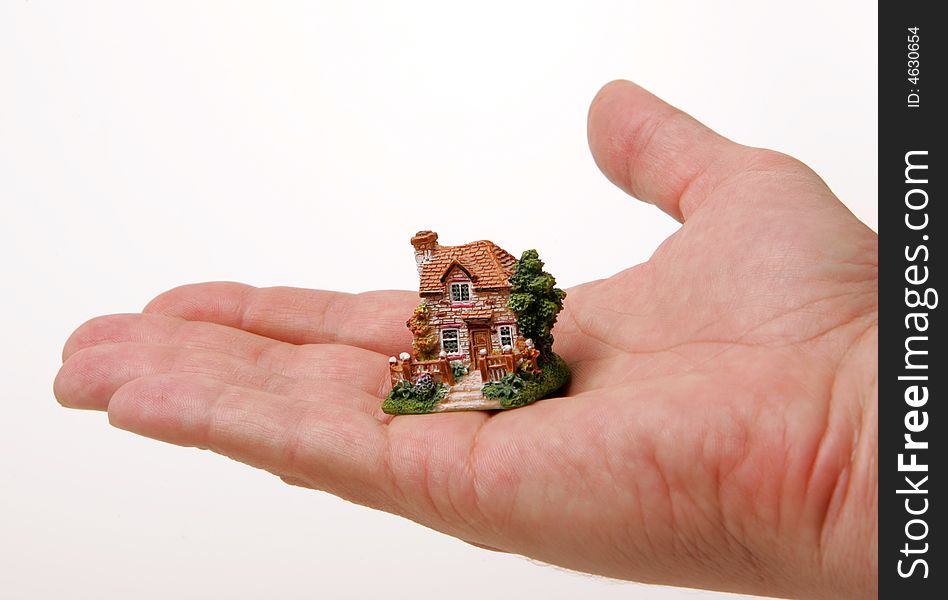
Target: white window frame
{"x":460,"y":286}
{"x":456,"y":340}
{"x":501,"y":336}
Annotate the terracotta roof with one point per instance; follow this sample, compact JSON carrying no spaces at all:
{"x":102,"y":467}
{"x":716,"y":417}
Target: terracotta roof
{"x":488,"y":265}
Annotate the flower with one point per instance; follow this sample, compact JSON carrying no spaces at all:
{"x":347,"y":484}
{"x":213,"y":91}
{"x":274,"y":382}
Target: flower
{"x":424,"y":383}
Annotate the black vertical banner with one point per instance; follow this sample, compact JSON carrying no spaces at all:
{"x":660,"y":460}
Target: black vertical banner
{"x":913,"y":368}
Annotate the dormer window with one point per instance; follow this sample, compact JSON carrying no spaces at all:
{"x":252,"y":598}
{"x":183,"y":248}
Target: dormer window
{"x":460,"y":292}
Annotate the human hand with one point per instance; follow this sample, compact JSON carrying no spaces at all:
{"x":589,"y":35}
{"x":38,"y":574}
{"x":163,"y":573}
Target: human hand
{"x":719,"y":430}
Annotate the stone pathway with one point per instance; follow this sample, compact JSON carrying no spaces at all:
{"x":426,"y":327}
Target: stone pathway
{"x":466,"y":395}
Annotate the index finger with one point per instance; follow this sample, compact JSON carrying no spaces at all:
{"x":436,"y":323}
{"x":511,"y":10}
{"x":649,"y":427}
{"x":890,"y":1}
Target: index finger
{"x":371,"y":320}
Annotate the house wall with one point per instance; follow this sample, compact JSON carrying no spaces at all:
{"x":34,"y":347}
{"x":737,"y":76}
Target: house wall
{"x":446,"y":314}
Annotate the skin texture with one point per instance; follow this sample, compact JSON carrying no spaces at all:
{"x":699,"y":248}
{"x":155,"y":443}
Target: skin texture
{"x":719,"y":430}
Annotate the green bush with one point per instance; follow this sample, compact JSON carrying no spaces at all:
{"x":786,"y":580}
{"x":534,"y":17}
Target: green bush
{"x":513,"y":391}
{"x":535,"y":301}
{"x":418,"y":398}
{"x":458,"y":368}
{"x":504,"y":390}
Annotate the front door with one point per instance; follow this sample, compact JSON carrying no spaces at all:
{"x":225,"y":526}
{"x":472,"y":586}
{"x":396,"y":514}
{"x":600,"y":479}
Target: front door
{"x":480,"y":340}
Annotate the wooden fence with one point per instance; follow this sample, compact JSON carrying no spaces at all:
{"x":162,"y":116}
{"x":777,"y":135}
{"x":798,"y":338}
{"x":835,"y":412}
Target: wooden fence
{"x":494,"y":367}
{"x":405,"y":368}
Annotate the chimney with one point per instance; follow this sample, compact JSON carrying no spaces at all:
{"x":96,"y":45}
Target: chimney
{"x":425,"y":243}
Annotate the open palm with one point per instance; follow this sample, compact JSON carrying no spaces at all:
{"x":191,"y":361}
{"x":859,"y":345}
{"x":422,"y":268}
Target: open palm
{"x":718,"y":431}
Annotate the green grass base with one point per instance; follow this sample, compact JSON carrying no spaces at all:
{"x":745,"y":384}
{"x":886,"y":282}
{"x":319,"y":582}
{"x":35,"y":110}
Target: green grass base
{"x":554,"y":375}
{"x":414,"y":404}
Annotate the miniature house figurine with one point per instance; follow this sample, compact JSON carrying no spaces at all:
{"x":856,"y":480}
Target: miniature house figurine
{"x":481,"y":332}
{"x":466,"y":289}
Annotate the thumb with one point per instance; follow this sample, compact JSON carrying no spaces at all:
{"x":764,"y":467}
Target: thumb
{"x":660,"y":155}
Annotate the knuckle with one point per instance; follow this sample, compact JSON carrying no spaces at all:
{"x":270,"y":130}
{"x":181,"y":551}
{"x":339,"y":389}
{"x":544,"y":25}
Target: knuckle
{"x":762,"y":159}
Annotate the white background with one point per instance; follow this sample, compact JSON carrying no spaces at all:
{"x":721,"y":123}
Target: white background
{"x":148,"y":144}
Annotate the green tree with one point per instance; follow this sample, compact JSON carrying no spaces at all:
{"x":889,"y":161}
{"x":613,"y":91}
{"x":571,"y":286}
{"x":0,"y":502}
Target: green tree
{"x":535,"y":301}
